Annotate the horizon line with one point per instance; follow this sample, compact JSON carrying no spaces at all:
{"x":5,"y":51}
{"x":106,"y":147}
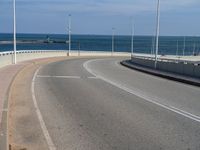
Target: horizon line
{"x":90,"y":34}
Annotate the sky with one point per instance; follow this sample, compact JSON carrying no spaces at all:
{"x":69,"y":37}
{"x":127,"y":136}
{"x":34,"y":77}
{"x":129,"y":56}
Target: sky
{"x":178,"y":17}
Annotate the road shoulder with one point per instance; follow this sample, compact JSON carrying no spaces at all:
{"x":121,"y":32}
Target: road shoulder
{"x":24,"y":130}
{"x":7,"y":75}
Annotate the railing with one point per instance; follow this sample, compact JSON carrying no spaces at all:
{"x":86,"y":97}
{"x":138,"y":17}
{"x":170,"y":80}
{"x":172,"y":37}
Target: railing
{"x":187,"y":66}
{"x":30,"y":51}
{"x":6,"y":58}
{"x":174,"y":59}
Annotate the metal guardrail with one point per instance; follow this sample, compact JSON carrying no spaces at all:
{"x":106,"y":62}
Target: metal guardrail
{"x":178,"y":60}
{"x":172,"y":65}
{"x":45,"y":51}
{"x":30,"y":51}
{"x":6,"y":58}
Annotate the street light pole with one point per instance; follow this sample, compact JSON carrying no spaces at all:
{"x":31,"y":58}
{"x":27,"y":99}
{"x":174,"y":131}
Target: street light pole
{"x":132,"y":38}
{"x":177,"y":47}
{"x":153,"y":45}
{"x":14,"y":32}
{"x":184,"y":46}
{"x":194,"y":48}
{"x":69,"y":30}
{"x":113,"y":40}
{"x":157,"y":33}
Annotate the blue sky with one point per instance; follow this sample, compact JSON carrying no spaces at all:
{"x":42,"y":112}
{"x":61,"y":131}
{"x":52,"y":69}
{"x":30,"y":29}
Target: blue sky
{"x":178,"y":17}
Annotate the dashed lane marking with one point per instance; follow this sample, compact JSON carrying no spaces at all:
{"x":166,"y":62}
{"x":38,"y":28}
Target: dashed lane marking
{"x":62,"y":77}
{"x":92,"y":77}
{"x":42,"y":123}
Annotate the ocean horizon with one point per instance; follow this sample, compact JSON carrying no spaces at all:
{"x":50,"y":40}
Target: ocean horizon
{"x":168,"y":45}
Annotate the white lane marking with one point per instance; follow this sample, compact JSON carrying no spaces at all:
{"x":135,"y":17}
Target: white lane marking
{"x":92,"y":77}
{"x":42,"y":123}
{"x":63,"y":77}
{"x":117,"y":63}
{"x":5,"y":110}
{"x":141,"y":95}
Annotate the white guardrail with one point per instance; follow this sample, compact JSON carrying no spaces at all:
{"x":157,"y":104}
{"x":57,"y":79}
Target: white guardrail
{"x":6,"y":58}
{"x":185,"y":65}
{"x":170,"y":58}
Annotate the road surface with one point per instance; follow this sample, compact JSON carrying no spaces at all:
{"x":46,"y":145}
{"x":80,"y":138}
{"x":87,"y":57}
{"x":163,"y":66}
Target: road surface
{"x":97,"y":104}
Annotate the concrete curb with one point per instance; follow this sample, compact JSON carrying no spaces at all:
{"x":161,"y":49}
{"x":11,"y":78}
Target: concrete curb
{"x":5,"y":113}
{"x":44,"y":61}
{"x":4,"y":121}
{"x":8,"y":103}
{"x":27,"y":64}
{"x":167,"y":75}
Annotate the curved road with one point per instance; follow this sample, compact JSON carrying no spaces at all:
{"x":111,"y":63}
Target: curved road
{"x":97,"y":104}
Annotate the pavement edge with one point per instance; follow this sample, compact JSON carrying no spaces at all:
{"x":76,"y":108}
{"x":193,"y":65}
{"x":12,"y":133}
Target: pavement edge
{"x":4,"y":122}
{"x":170,"y":76}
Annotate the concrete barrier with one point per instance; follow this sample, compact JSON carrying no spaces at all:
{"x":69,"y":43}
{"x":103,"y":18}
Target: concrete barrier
{"x":197,"y":71}
{"x":6,"y":58}
{"x":187,"y":68}
{"x":144,"y":62}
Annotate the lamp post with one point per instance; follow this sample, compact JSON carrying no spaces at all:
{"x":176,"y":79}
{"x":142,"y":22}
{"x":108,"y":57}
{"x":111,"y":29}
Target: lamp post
{"x":69,"y":30}
{"x":194,"y":48}
{"x":184,"y":46}
{"x":157,"y":32}
{"x":79,"y":48}
{"x":177,"y":47}
{"x":132,"y":37}
{"x":153,"y":45}
{"x":14,"y":32}
{"x":113,"y":40}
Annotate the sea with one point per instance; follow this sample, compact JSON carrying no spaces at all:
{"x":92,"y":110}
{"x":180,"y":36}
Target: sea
{"x":168,"y":45}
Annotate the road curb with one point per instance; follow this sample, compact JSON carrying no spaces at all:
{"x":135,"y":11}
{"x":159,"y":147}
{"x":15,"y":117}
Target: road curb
{"x":6,"y":106}
{"x":5,"y":114}
{"x":167,"y":75}
{"x":4,"y":143}
{"x":32,"y":63}
{"x":28,"y":64}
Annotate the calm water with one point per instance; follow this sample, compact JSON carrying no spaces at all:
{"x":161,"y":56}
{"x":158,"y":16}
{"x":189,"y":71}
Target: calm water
{"x":142,"y":44}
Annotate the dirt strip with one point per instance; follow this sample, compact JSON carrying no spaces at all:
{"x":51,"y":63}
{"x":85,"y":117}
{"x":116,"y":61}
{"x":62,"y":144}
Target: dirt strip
{"x":24,"y":129}
{"x":6,"y":76}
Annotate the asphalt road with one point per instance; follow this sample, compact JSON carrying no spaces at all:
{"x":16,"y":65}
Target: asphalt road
{"x":97,"y":104}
